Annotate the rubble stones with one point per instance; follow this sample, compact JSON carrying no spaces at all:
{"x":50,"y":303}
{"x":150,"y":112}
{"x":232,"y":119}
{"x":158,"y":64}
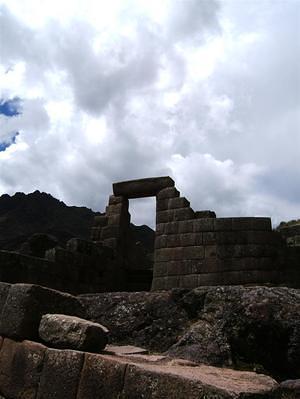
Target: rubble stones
{"x":70,"y":332}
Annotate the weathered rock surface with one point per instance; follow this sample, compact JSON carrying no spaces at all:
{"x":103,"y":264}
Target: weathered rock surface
{"x":70,"y":332}
{"x":20,"y":368}
{"x":254,"y":328}
{"x":289,"y":389}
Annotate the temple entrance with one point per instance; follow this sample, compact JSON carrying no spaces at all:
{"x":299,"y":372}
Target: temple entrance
{"x":140,"y":255}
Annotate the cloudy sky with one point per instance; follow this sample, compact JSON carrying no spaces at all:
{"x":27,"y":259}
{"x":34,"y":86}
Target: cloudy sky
{"x":206,"y":91}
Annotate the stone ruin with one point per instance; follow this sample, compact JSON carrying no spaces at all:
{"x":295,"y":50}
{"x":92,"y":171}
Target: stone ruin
{"x":191,"y":249}
{"x":51,"y":342}
{"x":195,"y":248}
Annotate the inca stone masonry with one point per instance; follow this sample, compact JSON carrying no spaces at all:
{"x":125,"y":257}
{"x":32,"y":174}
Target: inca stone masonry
{"x":192,"y":248}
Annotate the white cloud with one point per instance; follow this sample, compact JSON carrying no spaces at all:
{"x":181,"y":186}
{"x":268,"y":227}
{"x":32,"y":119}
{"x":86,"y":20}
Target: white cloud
{"x":205,"y":91}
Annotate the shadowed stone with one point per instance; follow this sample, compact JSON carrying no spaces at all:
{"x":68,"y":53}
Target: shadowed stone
{"x":204,"y":214}
{"x":166,"y":193}
{"x":69,"y":332}
{"x":101,"y":378}
{"x":20,"y":368}
{"x":25,"y":305}
{"x":142,"y":187}
{"x":60,"y":375}
{"x":4,"y":289}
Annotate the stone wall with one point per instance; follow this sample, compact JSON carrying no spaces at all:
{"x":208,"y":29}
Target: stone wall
{"x":196,"y":248}
{"x":80,"y":268}
{"x":192,"y":248}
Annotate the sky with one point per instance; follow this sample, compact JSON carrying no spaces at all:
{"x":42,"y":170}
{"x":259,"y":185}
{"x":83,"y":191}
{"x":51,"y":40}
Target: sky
{"x":206,"y":91}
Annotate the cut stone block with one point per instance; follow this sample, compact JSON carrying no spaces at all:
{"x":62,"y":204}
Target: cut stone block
{"x":178,"y":240}
{"x":143,"y":187}
{"x":111,"y":242}
{"x":204,"y":214}
{"x":96,"y":233}
{"x":186,"y":226}
{"x":60,"y":375}
{"x":100,"y":221}
{"x":183,"y":214}
{"x":209,"y":237}
{"x":210,"y":251}
{"x":179,"y":253}
{"x":204,"y":225}
{"x":189,"y":281}
{"x":70,"y":332}
{"x":110,"y":232}
{"x":223,"y":224}
{"x":20,"y":368}
{"x":169,"y":192}
{"x":115,"y":200}
{"x":180,"y":202}
{"x":101,"y":378}
{"x":173,"y":215}
{"x":162,"y":205}
{"x":160,"y":269}
{"x":25,"y":305}
{"x":115,"y":209}
{"x":181,"y":382}
{"x":172,"y":228}
{"x":85,"y":247}
{"x":4,"y":289}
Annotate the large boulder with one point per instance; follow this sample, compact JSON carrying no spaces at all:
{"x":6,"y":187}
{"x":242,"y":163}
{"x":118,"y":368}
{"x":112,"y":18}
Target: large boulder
{"x":70,"y":332}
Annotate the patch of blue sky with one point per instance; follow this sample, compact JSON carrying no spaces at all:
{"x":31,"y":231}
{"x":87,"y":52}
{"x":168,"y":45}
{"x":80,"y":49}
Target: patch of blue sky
{"x":10,"y":107}
{"x":5,"y":144}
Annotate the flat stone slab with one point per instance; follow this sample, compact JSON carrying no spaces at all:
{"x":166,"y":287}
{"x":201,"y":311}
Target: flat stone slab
{"x":70,"y":332}
{"x":148,"y":187}
{"x":178,"y":378}
{"x":125,"y":350}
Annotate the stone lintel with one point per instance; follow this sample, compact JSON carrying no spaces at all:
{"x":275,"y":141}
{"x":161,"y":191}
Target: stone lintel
{"x":148,"y":187}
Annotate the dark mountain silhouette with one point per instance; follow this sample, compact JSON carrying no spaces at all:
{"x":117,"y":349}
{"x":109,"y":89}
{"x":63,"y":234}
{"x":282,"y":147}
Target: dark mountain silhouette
{"x":22,"y":215}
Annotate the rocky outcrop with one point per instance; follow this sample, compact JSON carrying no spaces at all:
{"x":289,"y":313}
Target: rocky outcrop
{"x":256,"y":328}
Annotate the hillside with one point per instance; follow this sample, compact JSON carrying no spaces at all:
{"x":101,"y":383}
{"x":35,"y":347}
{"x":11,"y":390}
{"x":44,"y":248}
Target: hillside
{"x":22,"y":215}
